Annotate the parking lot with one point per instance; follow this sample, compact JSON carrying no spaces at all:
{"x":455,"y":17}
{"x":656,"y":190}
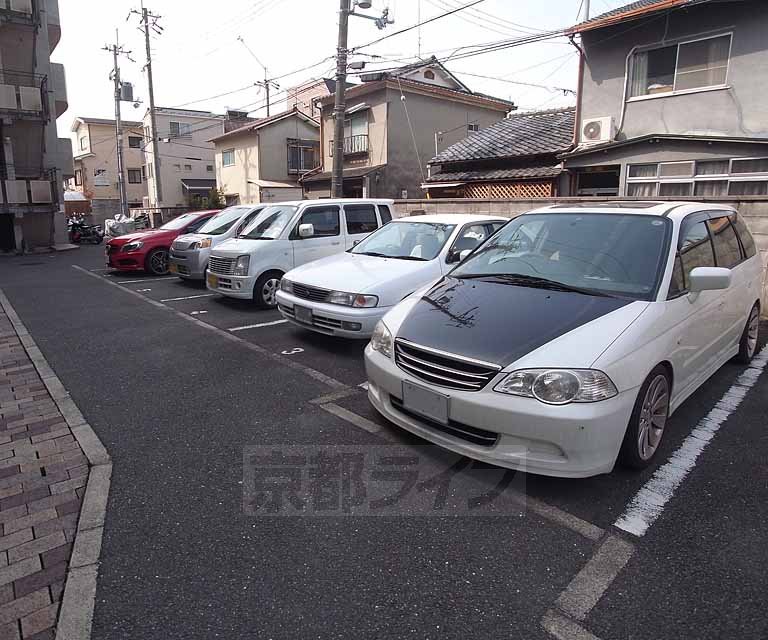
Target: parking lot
{"x":186,"y":388}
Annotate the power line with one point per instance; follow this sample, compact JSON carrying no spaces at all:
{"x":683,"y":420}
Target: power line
{"x":525,"y":84}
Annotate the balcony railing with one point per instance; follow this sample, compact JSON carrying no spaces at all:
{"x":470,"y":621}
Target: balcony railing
{"x":41,"y":190}
{"x":353,"y":145}
{"x":23,"y":92}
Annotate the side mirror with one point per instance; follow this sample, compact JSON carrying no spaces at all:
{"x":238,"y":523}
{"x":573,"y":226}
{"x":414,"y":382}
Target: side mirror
{"x":306,"y":230}
{"x":356,"y":242}
{"x":464,"y":255}
{"x":708,"y":279}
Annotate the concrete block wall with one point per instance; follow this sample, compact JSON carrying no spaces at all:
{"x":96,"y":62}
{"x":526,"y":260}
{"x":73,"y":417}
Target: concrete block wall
{"x":753,"y":208}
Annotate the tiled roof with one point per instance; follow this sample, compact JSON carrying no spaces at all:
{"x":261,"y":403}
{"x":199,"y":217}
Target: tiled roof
{"x":520,"y":135}
{"x":543,"y":170}
{"x":631,"y":11}
{"x":259,"y":123}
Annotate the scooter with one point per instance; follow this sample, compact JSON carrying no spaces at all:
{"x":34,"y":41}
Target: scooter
{"x":81,"y":233}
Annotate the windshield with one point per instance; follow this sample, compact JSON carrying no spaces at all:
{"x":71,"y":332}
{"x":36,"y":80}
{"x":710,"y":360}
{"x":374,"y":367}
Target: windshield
{"x":612,"y":254}
{"x":406,"y":240}
{"x":180,"y":222}
{"x":222,"y":222}
{"x":270,"y":223}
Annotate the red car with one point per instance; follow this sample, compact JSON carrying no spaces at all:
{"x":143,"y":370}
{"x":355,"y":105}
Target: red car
{"x":147,"y":250}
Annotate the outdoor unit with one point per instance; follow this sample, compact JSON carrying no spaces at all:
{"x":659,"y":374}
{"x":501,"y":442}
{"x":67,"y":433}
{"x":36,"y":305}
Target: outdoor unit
{"x":597,"y":130}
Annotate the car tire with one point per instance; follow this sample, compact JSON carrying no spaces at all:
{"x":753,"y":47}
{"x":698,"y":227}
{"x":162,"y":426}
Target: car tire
{"x":157,"y":262}
{"x":266,"y":288}
{"x":648,"y":421}
{"x":749,"y":337}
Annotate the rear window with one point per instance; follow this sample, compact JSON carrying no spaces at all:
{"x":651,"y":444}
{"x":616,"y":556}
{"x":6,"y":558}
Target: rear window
{"x":385,"y":213}
{"x":727,"y":249}
{"x":747,"y":241}
{"x":361,"y":218}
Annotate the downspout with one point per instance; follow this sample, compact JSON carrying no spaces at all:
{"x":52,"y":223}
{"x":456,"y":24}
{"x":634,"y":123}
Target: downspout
{"x":577,"y":115}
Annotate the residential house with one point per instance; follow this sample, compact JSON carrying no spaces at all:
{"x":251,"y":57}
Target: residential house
{"x":34,"y":161}
{"x":262,"y":161}
{"x":95,"y":155}
{"x":305,"y":96}
{"x":514,"y":158}
{"x":187,"y":167}
{"x":394,"y":122}
{"x":673,"y":100}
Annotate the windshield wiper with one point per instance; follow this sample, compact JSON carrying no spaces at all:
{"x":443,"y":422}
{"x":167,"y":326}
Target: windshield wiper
{"x":370,"y":253}
{"x":257,"y":238}
{"x":535,"y":282}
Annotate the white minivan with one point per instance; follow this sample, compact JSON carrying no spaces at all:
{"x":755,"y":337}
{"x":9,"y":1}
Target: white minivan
{"x":287,"y":235}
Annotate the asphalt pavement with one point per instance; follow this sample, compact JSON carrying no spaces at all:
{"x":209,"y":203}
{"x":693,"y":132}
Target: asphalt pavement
{"x":190,"y":392}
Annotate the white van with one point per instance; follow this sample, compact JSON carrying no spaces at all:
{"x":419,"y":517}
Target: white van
{"x":287,"y":235}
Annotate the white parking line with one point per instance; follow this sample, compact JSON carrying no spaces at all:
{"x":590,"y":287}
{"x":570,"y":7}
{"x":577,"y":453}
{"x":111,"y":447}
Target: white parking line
{"x":649,"y":502}
{"x":202,"y":295}
{"x":148,"y":280}
{"x":257,"y":326}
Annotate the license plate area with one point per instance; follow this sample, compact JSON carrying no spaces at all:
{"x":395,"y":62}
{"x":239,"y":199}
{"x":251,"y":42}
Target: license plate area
{"x":173,"y":267}
{"x":426,"y":402}
{"x":302,"y":314}
{"x":213,"y":281}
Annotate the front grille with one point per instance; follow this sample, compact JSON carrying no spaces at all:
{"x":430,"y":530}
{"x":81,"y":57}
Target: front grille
{"x":443,"y":369}
{"x":455,"y":429}
{"x":310,"y":293}
{"x":222,"y":266}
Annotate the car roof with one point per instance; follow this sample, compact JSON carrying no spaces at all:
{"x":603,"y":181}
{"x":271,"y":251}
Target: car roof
{"x":298,"y":203}
{"x":674,"y":210}
{"x":452,"y":218}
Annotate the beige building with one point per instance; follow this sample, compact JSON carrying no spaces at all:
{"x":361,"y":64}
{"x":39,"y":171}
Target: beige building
{"x":262,"y":161}
{"x":187,"y":166}
{"x":395,"y":122}
{"x":95,"y":151}
{"x":305,"y":96}
{"x":33,"y":94}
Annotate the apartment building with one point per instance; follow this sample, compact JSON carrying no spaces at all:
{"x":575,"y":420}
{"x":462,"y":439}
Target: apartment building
{"x":187,"y":166}
{"x":34,"y":161}
{"x":95,"y":159}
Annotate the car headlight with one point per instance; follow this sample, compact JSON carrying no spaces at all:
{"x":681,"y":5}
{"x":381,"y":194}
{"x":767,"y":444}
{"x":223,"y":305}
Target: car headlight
{"x":202,"y":244}
{"x":286,"y":285}
{"x":352,"y":299}
{"x":558,"y":386}
{"x":133,"y":246}
{"x":381,"y":339}
{"x":242,"y":264}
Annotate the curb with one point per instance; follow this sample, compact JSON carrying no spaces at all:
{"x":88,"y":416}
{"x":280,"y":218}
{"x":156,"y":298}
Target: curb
{"x":77,"y":604}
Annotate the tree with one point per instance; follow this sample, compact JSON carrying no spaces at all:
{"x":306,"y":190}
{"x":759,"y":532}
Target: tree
{"x":216,"y":198}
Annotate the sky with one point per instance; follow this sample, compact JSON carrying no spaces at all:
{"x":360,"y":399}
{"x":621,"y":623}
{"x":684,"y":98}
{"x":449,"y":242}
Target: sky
{"x":198,"y":54}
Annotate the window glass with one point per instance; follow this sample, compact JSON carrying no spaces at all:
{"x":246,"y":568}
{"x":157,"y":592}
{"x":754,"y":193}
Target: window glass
{"x":325,"y":220}
{"x":406,"y":240}
{"x":703,"y":63}
{"x":653,"y":71}
{"x":222,"y":222}
{"x":675,"y":188}
{"x":385,"y":213}
{"x":641,"y":189}
{"x":747,"y":241}
{"x":642,"y":170}
{"x":675,"y":169}
{"x":192,"y":228}
{"x":711,"y":188}
{"x":134,"y":142}
{"x":748,"y":188}
{"x":134,"y":176}
{"x":677,"y":283}
{"x":270,"y":223}
{"x":470,"y":237}
{"x":228,"y":157}
{"x":361,"y":218}
{"x":178,"y":223}
{"x":712,"y":167}
{"x":727,"y":249}
{"x":696,"y":249}
{"x":607,"y":253}
{"x":751,"y":166}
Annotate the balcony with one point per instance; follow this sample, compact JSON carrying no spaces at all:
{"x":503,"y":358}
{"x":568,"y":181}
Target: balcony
{"x":59,"y":82}
{"x":29,"y":191}
{"x":54,"y":23}
{"x":22,"y":93}
{"x":353,"y":145}
{"x":18,"y":11}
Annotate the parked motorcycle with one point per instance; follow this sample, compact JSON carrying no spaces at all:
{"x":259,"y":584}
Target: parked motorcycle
{"x":82,"y":233}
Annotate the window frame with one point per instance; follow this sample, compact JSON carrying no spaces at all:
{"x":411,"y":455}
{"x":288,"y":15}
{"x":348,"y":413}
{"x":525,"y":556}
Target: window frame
{"x":128,"y":175}
{"x":678,"y":44}
{"x":78,"y":177}
{"x":376,"y":218}
{"x":224,"y":153}
{"x":294,"y":235}
{"x":689,"y":221}
{"x":742,"y":253}
{"x":302,"y":145}
{"x":473,"y":127}
{"x":139,"y":140}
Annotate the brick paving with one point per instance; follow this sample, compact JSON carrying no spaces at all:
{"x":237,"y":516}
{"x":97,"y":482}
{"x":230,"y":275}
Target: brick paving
{"x":43,"y":473}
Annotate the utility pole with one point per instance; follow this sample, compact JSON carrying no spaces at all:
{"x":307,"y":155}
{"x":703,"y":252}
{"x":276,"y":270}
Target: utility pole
{"x":586,"y":10}
{"x":116,"y":51}
{"x":267,"y":82}
{"x":339,"y":102}
{"x":149,"y":23}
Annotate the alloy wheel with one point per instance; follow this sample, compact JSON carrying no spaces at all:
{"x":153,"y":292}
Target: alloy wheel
{"x":653,"y":417}
{"x":753,"y":328}
{"x":158,"y":262}
{"x":269,"y":291}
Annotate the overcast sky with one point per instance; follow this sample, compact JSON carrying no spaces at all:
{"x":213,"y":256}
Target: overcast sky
{"x":198,"y":54}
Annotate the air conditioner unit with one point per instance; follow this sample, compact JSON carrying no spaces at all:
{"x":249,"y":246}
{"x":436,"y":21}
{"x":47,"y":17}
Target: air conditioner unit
{"x":597,"y":130}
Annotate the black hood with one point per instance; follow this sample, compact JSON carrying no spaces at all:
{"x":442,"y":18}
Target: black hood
{"x":498,"y":322}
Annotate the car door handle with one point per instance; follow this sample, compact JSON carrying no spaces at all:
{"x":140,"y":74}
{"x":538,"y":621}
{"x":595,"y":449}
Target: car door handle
{"x":335,"y":244}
